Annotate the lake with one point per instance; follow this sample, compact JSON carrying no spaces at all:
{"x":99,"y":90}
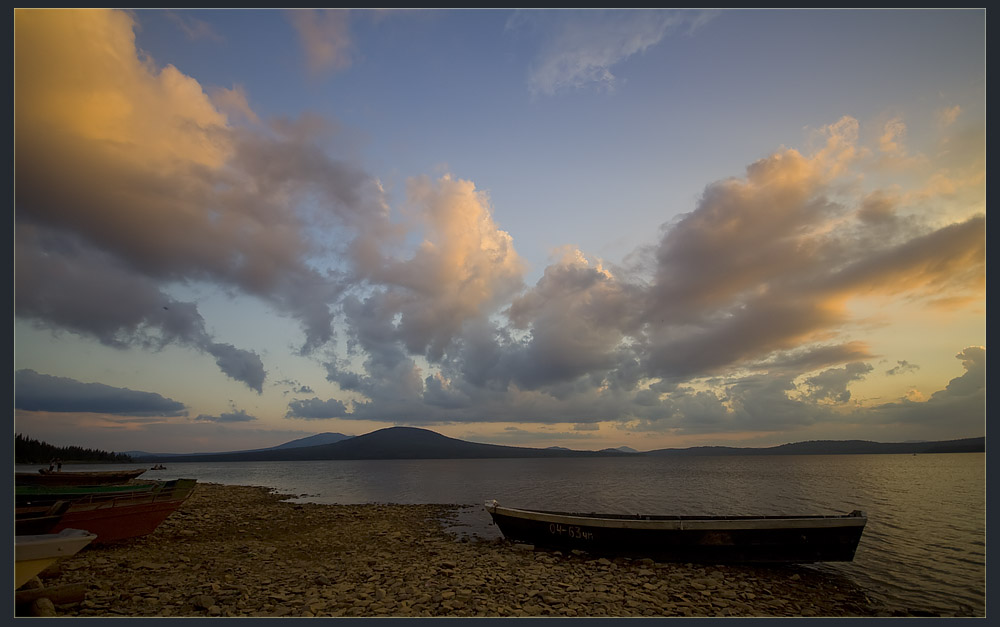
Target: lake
{"x":924,"y":548}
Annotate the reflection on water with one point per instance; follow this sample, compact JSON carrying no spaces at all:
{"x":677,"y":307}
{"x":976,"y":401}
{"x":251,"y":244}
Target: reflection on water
{"x":924,"y":547}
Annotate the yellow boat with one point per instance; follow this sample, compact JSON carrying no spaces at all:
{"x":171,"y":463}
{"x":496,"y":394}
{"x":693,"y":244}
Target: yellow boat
{"x":35,"y":553}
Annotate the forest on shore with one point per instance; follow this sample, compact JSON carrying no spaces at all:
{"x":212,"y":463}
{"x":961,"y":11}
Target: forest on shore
{"x":30,"y":451}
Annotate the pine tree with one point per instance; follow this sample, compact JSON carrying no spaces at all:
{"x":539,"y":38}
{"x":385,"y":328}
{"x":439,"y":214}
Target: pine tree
{"x":31,"y":451}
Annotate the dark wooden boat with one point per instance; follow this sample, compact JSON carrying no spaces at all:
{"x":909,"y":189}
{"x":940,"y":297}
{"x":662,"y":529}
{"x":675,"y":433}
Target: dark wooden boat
{"x":702,"y":539}
{"x":40,"y":522}
{"x":111,"y":517}
{"x":45,"y":477}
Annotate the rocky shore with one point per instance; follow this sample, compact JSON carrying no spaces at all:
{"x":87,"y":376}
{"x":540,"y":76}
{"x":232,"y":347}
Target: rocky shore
{"x":233,"y":551}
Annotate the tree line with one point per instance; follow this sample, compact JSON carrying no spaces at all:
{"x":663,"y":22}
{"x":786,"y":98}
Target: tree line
{"x":31,"y":451}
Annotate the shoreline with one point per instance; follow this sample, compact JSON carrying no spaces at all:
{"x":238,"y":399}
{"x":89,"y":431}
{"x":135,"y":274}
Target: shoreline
{"x":244,"y":551}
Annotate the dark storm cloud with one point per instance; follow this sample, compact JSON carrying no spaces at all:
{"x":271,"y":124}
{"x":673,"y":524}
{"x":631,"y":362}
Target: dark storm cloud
{"x":578,"y":316}
{"x":64,"y":282}
{"x":751,"y":331}
{"x":813,"y":358}
{"x":238,"y":364}
{"x":832,"y":384}
{"x":315,"y":409}
{"x":40,"y":392}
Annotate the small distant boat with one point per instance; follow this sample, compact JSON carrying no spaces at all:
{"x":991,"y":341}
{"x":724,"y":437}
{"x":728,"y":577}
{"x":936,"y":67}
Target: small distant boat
{"x":112,"y":517}
{"x":702,"y":539}
{"x":35,"y":553}
{"x":46,"y":477}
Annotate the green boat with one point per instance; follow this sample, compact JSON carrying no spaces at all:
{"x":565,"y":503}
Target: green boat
{"x":29,"y":495}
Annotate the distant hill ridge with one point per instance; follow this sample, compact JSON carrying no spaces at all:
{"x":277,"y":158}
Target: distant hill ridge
{"x":312,"y":440}
{"x":415,"y":443}
{"x":836,"y":447}
{"x":390,"y":443}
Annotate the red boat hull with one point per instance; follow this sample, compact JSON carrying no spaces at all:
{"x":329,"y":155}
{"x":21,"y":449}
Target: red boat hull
{"x":113,"y":517}
{"x":112,"y":524}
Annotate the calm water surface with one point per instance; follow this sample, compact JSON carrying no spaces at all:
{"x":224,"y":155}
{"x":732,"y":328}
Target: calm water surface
{"x":924,"y":547}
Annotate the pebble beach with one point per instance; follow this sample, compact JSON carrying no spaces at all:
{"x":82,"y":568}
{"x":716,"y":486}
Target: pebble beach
{"x":241,"y":551}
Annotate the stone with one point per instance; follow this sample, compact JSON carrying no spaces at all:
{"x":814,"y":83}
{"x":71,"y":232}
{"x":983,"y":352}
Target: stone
{"x":43,"y":607}
{"x":249,"y":553}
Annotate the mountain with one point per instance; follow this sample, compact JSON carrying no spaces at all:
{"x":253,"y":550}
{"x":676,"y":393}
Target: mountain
{"x":835,"y":447}
{"x":312,"y":440}
{"x":623,"y":449}
{"x":391,"y":443}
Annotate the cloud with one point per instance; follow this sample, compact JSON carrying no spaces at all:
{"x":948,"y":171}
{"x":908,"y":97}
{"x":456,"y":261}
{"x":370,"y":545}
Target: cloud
{"x":948,"y":115}
{"x":831,"y":385}
{"x":879,"y":208}
{"x":194,"y":28}
{"x":238,"y":364}
{"x":325,"y":36}
{"x":64,"y":282}
{"x":738,"y":321}
{"x":767,"y":263}
{"x":315,"y":409}
{"x":738,"y":316}
{"x":892,"y":137}
{"x":901,"y":367}
{"x":814,"y":357}
{"x":950,"y":259}
{"x":588,"y":44}
{"x":45,"y":393}
{"x":462,"y":272}
{"x":234,"y":103}
{"x":234,"y":416}
{"x":962,"y":403}
{"x":578,"y":316}
{"x":156,"y":186}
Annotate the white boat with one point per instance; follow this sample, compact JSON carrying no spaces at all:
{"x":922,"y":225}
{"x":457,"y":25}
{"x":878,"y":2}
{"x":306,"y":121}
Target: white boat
{"x":35,"y":553}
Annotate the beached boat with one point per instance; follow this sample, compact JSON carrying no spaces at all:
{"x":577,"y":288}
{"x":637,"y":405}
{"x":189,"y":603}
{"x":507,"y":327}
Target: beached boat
{"x":703,"y":539}
{"x":37,"y":523}
{"x":34,"y":495}
{"x":113,"y":517}
{"x":45,"y":477}
{"x":35,"y":553}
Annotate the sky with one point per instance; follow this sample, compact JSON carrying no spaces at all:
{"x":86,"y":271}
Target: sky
{"x":577,"y":228}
